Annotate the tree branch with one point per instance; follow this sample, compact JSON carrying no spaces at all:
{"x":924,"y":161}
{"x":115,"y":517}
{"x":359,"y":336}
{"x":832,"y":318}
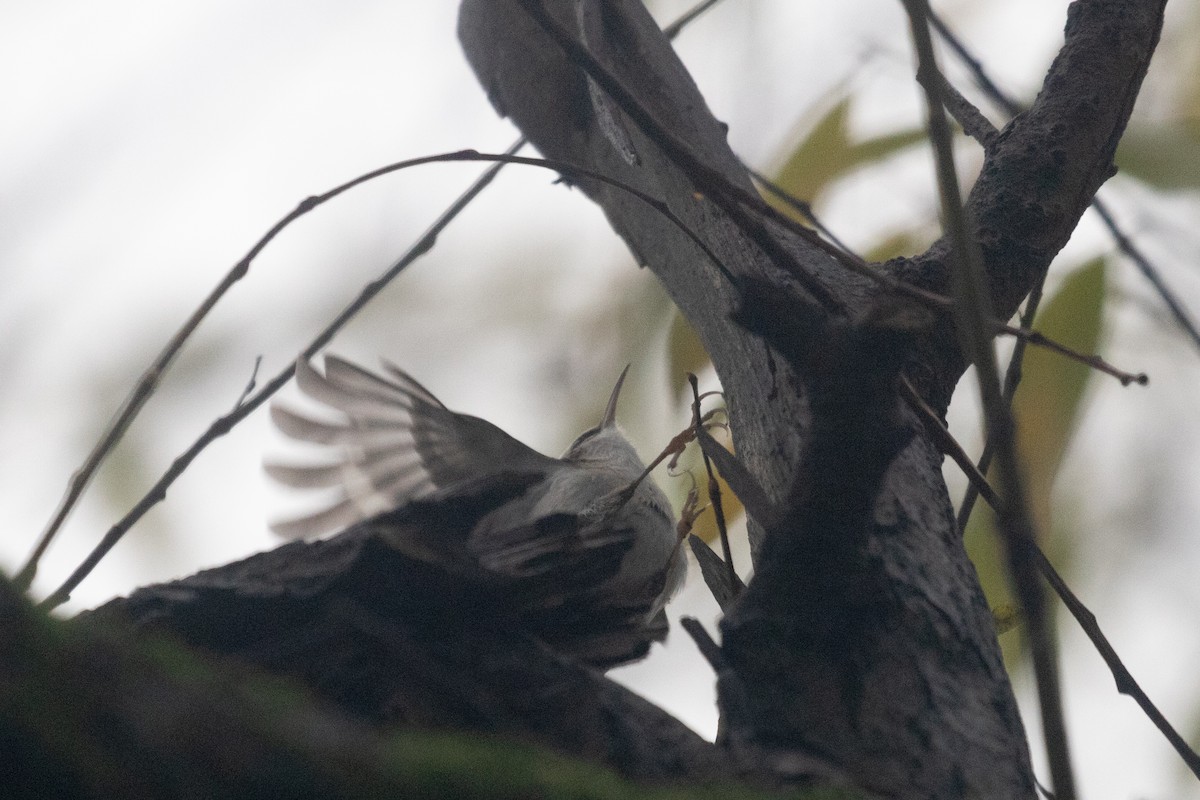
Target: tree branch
{"x":1042,"y":171}
{"x":395,"y":641}
{"x":89,"y":710}
{"x":933,"y":668}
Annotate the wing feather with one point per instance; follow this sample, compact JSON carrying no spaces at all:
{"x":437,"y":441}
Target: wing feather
{"x":394,"y":443}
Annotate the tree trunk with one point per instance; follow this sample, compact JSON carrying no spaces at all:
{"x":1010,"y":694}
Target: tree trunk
{"x":864,"y":637}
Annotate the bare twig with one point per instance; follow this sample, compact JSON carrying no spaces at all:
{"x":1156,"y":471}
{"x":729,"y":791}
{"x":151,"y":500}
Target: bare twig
{"x":714,"y":490}
{"x":745,"y":208}
{"x":1148,"y":270}
{"x":1022,"y":333}
{"x":247,"y":404}
{"x":972,"y":120}
{"x":973,"y":310}
{"x":947,"y":443}
{"x":1123,"y":242}
{"x":1012,"y":379}
{"x":1039,"y":339}
{"x":147,"y":383}
{"x":687,"y":18}
{"x":250,"y":384}
{"x":142,"y":390}
{"x":423,"y":245}
{"x":1126,"y":684}
{"x":800,"y":206}
{"x":985,"y":83}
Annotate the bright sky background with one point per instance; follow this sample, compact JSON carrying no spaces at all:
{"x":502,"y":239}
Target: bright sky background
{"x":145,"y":146}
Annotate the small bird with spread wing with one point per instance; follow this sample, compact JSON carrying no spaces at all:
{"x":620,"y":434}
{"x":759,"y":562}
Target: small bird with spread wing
{"x":586,"y":541}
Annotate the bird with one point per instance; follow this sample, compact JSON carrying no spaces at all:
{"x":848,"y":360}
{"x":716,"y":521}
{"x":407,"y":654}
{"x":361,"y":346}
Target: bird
{"x":585,"y":545}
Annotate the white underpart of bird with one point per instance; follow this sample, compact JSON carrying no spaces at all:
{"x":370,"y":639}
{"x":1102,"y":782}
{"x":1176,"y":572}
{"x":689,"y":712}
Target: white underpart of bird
{"x":395,"y":443}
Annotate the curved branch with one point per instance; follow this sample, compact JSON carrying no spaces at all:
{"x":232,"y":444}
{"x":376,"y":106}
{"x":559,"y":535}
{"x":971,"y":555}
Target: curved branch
{"x":1041,"y":172}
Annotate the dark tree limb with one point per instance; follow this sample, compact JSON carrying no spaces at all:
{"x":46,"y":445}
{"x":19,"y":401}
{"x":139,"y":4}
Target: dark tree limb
{"x":913,"y":696}
{"x":1041,"y":172}
{"x":973,"y":307}
{"x":89,"y":710}
{"x":394,"y":641}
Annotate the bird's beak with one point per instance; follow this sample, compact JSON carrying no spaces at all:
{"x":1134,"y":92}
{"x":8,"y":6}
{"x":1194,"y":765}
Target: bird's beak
{"x":610,"y":413}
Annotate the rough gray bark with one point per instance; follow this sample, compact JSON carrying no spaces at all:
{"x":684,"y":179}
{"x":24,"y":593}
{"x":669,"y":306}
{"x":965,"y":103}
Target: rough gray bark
{"x":89,"y":710}
{"x":887,"y":663}
{"x":396,"y":642}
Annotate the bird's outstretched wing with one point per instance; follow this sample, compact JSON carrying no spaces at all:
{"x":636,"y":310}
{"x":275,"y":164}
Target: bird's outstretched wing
{"x":396,"y":443}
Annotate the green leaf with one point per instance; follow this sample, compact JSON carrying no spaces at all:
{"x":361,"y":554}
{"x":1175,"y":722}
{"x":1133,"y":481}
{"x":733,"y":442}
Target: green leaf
{"x":1048,"y":400}
{"x":1162,"y":155}
{"x":685,"y":353}
{"x":827,"y":153}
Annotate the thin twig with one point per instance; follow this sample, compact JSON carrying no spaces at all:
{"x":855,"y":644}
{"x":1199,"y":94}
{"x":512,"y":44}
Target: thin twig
{"x":1012,"y":379}
{"x":687,"y":18}
{"x":142,"y":390}
{"x":1123,"y":242}
{"x":972,"y":120}
{"x":423,"y":245}
{"x":1126,"y":684}
{"x":1151,"y":273}
{"x":800,"y":206}
{"x":250,"y":384}
{"x":973,"y":310}
{"x":745,"y":209}
{"x":1124,"y":680}
{"x":714,"y":490}
{"x":1023,"y":334}
{"x":224,"y":424}
{"x":1039,"y":339}
{"x":1012,"y":107}
{"x":147,"y":384}
{"x":947,"y":443}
